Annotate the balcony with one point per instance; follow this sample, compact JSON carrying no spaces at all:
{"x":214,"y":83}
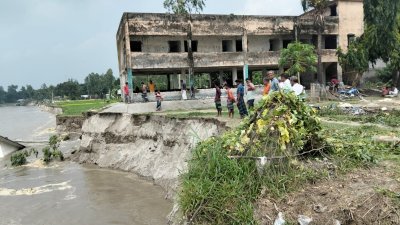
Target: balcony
{"x":177,"y":61}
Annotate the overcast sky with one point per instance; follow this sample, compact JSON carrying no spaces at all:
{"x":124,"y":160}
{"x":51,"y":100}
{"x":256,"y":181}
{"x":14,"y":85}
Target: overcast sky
{"x":49,"y":41}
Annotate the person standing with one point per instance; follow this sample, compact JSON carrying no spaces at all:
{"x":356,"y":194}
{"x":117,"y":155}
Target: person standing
{"x":297,"y":88}
{"x":250,"y":93}
{"x":285,"y":84}
{"x":144,"y":92}
{"x":240,"y":99}
{"x":127,"y":98}
{"x":217,"y":99}
{"x":159,"y":98}
{"x":273,"y":81}
{"x":183,"y":90}
{"x":267,"y":86}
{"x":229,"y":102}
{"x":152,"y":86}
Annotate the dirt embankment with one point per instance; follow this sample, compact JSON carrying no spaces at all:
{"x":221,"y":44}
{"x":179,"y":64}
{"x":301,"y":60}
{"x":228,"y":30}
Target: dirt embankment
{"x":69,"y":123}
{"x":155,"y":147}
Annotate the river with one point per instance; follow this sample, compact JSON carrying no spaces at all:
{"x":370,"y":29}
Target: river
{"x":66,"y":192}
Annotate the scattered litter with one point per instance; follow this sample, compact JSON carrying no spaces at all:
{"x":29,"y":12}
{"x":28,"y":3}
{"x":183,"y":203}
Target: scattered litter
{"x":304,"y":220}
{"x":345,"y":105}
{"x":279,"y":220}
{"x":337,"y":222}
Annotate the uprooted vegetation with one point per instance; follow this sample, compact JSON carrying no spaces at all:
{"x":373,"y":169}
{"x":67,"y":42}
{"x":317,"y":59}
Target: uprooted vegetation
{"x":50,"y":152}
{"x":278,"y":149}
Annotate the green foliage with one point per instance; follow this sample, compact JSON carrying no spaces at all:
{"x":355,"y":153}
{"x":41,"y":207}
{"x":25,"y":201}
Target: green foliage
{"x":299,"y":58}
{"x":184,"y":6}
{"x":281,"y":125}
{"x":51,"y":152}
{"x":19,"y":158}
{"x":356,"y":57}
{"x":77,"y":107}
{"x":220,"y":190}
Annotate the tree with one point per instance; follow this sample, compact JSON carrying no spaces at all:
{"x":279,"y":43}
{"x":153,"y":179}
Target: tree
{"x":3,"y":95}
{"x":318,"y":8}
{"x":299,"y":58}
{"x":70,"y":89}
{"x":12,"y":94}
{"x":186,"y":8}
{"x":30,"y":92}
{"x":108,"y":81}
{"x":355,"y":60}
{"x":382,"y":33}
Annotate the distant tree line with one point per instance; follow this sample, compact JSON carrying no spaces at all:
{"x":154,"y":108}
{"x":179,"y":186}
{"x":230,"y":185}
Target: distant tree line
{"x":95,"y":86}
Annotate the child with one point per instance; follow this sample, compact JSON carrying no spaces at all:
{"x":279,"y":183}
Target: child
{"x":158,"y":98}
{"x":230,"y":101}
{"x":217,"y":99}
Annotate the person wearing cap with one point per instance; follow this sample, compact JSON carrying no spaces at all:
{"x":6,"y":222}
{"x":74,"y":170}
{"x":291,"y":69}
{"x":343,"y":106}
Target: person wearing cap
{"x":240,"y":99}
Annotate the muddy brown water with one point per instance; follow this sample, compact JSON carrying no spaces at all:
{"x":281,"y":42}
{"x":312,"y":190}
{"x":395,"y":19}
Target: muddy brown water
{"x":66,"y":192}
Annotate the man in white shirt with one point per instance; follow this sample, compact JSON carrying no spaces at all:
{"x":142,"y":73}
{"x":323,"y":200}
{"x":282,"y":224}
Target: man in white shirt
{"x":296,"y":87}
{"x":285,"y":84}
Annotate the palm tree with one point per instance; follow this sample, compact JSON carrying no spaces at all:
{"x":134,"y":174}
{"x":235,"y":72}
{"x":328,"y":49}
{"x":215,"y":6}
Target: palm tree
{"x":317,"y":9}
{"x":186,"y":8}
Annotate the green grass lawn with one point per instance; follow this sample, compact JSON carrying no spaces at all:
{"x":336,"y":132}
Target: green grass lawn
{"x":77,"y":107}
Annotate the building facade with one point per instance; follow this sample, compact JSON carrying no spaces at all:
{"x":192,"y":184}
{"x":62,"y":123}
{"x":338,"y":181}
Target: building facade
{"x":226,"y":47}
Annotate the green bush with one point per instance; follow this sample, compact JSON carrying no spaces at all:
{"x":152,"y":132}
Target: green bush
{"x":51,"y":152}
{"x":19,"y":158}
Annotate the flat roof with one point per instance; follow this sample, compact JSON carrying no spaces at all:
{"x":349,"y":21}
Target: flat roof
{"x":10,"y":142}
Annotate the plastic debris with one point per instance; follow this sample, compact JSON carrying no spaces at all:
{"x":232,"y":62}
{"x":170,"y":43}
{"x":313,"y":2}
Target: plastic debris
{"x":304,"y":220}
{"x":337,"y":222}
{"x":279,"y":220}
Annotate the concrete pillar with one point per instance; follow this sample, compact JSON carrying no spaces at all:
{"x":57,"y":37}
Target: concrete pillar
{"x":234,"y":74}
{"x":183,"y":75}
{"x":221,"y":75}
{"x":339,"y":73}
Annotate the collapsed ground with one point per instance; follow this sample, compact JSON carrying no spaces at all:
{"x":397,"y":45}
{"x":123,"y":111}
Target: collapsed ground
{"x":357,"y":183}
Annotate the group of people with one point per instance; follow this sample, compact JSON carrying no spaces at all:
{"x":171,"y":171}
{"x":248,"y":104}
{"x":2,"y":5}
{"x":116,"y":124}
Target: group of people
{"x":248,"y":91}
{"x":151,"y":87}
{"x":390,"y":91}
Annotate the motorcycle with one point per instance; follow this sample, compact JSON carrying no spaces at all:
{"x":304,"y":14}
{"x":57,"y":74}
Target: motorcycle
{"x":348,"y":94}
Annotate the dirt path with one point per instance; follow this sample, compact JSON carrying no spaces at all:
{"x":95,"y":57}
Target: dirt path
{"x":365,"y":196}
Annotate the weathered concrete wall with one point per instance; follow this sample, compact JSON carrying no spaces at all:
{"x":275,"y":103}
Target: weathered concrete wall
{"x":152,"y":146}
{"x":351,"y":20}
{"x":160,"y":61}
{"x":6,"y":149}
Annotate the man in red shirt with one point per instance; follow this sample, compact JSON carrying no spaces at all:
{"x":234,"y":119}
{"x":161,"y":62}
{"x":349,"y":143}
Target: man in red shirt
{"x":126,"y":93}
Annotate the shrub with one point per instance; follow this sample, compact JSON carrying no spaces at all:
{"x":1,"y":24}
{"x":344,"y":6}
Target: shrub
{"x":18,"y":158}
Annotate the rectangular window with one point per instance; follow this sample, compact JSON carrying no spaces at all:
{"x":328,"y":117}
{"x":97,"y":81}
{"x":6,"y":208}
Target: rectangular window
{"x":330,"y":42}
{"x":174,"y":46}
{"x":136,"y":46}
{"x":194,"y":46}
{"x":286,"y":43}
{"x":333,"y":10}
{"x":227,"y":46}
{"x":239,"y":45}
{"x":350,"y":39}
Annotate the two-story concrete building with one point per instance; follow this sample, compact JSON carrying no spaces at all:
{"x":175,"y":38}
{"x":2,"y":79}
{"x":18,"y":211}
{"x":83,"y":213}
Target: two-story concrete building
{"x":154,"y":46}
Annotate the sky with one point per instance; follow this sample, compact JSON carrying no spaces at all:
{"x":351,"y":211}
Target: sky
{"x":51,"y":41}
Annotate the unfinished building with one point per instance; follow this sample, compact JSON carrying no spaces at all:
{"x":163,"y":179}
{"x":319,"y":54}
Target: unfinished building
{"x":226,"y":47}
